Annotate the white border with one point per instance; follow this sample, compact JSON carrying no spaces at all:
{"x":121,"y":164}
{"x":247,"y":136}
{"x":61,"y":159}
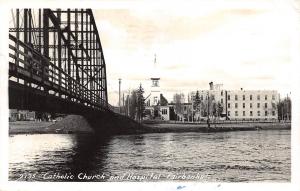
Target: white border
{"x":295,"y":79}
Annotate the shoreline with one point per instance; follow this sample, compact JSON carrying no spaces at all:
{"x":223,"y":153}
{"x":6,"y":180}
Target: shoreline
{"x":68,"y":125}
{"x":74,"y":124}
{"x":217,"y":127}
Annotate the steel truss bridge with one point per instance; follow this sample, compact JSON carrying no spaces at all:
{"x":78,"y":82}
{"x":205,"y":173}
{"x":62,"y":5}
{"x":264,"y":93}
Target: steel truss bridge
{"x":56,"y":62}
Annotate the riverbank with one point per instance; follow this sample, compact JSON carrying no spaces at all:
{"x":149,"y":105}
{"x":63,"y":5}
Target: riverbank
{"x":70,"y":124}
{"x":218,"y":127}
{"x":78,"y":124}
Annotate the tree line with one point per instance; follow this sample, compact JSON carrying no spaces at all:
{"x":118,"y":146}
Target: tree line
{"x":135,"y":104}
{"x":207,"y":107}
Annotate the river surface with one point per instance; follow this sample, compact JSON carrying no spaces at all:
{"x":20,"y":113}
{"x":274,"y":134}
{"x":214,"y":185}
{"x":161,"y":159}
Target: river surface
{"x":238,"y":156}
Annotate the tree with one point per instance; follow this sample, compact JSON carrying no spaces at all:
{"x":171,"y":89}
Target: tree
{"x":197,"y":102}
{"x":133,"y":104}
{"x":284,"y":109}
{"x":163,"y":100}
{"x":214,"y":109}
{"x":140,"y":103}
{"x":203,"y":109}
{"x":178,"y":99}
{"x":220,"y":109}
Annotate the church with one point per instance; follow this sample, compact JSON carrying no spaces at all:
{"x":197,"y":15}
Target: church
{"x":156,"y":104}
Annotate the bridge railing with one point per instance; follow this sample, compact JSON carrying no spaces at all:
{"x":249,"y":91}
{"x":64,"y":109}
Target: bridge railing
{"x":32,"y":67}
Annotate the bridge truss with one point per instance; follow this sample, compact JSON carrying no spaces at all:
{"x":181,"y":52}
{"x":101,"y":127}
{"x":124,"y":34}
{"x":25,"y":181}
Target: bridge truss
{"x":56,"y":55}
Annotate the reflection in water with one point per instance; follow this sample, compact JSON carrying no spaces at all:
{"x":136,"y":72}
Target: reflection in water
{"x":228,"y":156}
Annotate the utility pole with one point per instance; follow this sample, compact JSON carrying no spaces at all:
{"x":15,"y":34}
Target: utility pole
{"x":123,"y":105}
{"x":192,"y":110}
{"x":287,"y":107}
{"x":120,"y":95}
{"x":208,"y":124}
{"x":128,"y":102}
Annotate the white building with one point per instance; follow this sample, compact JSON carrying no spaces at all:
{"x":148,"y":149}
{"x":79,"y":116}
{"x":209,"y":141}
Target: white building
{"x":240,"y":104}
{"x":154,"y":98}
{"x":252,"y":104}
{"x":154,"y":101}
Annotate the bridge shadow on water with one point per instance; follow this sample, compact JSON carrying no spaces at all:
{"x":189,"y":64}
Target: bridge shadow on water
{"x":89,"y":158}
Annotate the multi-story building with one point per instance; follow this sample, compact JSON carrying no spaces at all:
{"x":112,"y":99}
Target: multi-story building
{"x":240,"y":104}
{"x":252,"y":104}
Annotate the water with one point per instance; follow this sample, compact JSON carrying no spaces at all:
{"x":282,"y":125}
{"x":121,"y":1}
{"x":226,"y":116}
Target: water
{"x":228,"y":157}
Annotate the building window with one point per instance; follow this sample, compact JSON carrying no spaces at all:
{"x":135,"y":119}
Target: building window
{"x":273,"y":113}
{"x":236,"y":105}
{"x":251,"y":113}
{"x":258,"y":97}
{"x":155,"y":83}
{"x":250,"y":105}
{"x":266,"y":113}
{"x":244,"y":97}
{"x":236,"y":113}
{"x":266,"y":97}
{"x":250,"y":97}
{"x":243,"y":105}
{"x":228,"y":113}
{"x":273,"y":97}
{"x":244,"y":113}
{"x":155,"y":100}
{"x":228,"y":105}
{"x":266,"y":105}
{"x":201,"y":97}
{"x":236,"y":97}
{"x":221,"y":93}
{"x":221,"y":100}
{"x":228,"y":97}
{"x":258,"y":113}
{"x":258,"y":105}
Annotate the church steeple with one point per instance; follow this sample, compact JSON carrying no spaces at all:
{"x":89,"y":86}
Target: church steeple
{"x":155,"y":88}
{"x":155,"y":77}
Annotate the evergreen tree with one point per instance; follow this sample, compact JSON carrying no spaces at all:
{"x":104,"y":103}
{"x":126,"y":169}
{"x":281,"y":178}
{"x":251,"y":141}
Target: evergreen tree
{"x":140,"y":103}
{"x":133,"y":105}
{"x":163,"y":100}
{"x":197,"y":101}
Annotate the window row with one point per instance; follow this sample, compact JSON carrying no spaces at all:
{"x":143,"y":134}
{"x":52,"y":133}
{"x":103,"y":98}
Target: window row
{"x":250,"y":97}
{"x":236,"y":113}
{"x":244,"y":105}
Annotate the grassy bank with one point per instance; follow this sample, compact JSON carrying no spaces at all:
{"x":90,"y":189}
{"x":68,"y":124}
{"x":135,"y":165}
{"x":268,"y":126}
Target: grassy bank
{"x":70,"y":124}
{"x":79,"y":124}
{"x":218,"y":127}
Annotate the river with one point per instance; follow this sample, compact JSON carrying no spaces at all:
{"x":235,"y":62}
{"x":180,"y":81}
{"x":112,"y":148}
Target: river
{"x":237,"y":156}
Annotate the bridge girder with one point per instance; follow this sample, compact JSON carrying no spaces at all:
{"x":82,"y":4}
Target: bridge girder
{"x":58,"y":52}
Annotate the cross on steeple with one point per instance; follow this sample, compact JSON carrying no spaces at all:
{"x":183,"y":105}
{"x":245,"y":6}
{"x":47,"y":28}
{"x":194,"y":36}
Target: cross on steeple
{"x":154,"y":60}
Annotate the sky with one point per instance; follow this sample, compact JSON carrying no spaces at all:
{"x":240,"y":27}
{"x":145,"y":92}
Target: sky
{"x":240,"y":44}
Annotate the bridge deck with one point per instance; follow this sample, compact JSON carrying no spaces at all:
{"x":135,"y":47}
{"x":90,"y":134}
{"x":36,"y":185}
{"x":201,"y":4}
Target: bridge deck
{"x":56,"y":64}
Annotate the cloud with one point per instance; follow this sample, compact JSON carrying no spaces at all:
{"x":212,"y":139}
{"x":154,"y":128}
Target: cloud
{"x":159,"y":26}
{"x":238,"y":46}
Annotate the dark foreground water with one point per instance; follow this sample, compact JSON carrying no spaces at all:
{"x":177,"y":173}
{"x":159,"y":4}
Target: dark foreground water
{"x":229,"y":156}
